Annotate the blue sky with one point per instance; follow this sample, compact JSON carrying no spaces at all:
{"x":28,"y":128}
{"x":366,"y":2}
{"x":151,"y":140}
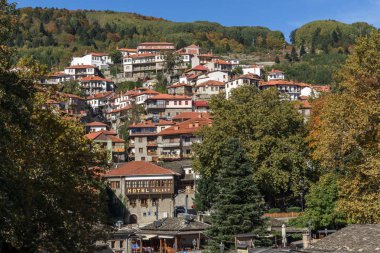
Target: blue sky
{"x":283,"y":15}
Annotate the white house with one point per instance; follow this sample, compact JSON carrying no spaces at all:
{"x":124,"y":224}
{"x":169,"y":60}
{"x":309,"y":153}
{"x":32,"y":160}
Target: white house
{"x":127,"y":51}
{"x":80,"y":71}
{"x":95,"y":127}
{"x":95,"y":84}
{"x":57,"y":78}
{"x":100,"y":60}
{"x":99,"y":100}
{"x":218,"y":65}
{"x":166,"y":105}
{"x":248,"y":79}
{"x":292,"y":89}
{"x":219,"y":76}
{"x":254,"y":69}
{"x":205,"y":90}
{"x":275,"y":74}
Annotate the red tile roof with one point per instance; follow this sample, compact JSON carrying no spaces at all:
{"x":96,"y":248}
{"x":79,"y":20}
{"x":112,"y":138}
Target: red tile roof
{"x":100,"y":95}
{"x":187,"y":127}
{"x":200,"y":68}
{"x":273,"y":71}
{"x":139,"y":168}
{"x":249,"y":76}
{"x":93,"y":135}
{"x":99,"y":54}
{"x":131,"y":50}
{"x":141,"y":55}
{"x":156,"y":43}
{"x":191,"y":115}
{"x":222,"y":62}
{"x":149,"y":123}
{"x":192,"y":46}
{"x":169,"y":97}
{"x":94,"y":78}
{"x":96,"y":123}
{"x":201,"y":103}
{"x":115,"y":139}
{"x":80,"y":67}
{"x":210,"y":83}
{"x":176,"y":85}
{"x":125,"y":108}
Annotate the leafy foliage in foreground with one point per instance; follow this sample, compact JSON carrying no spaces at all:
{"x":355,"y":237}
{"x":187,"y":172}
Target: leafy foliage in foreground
{"x":51,"y":193}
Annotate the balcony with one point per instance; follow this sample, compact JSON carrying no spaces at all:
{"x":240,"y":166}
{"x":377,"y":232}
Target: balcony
{"x":152,"y":144}
{"x":170,"y":157}
{"x":187,"y":144}
{"x":169,"y":144}
{"x":156,"y":106}
{"x":118,"y":150}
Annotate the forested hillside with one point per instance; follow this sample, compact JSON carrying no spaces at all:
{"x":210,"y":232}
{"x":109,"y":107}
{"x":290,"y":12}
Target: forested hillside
{"x":327,"y":34}
{"x":53,"y":35}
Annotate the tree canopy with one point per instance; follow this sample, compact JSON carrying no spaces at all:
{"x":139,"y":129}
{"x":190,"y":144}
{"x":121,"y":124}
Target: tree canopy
{"x":272,"y":133}
{"x":345,"y":133}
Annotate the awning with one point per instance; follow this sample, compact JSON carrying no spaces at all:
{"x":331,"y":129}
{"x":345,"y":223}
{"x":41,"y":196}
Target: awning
{"x":166,"y":237}
{"x":148,"y":237}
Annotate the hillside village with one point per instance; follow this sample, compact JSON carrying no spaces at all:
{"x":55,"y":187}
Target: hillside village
{"x":124,"y":133}
{"x":155,"y":155}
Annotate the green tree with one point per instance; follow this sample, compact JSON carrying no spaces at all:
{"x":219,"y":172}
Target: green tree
{"x":302,"y":50}
{"x":51,"y":194}
{"x":277,"y":59}
{"x":345,"y":132}
{"x":238,"y":204}
{"x":237,"y":71}
{"x":321,"y":202}
{"x":294,"y":55}
{"x":116,"y":57}
{"x":271,"y":131}
{"x":72,"y":87}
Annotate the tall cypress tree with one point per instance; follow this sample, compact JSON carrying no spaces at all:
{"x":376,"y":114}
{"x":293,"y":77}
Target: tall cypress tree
{"x":294,"y":54}
{"x":238,"y":206}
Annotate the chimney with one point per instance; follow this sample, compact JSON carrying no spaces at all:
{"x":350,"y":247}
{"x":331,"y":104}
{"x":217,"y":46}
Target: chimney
{"x":176,"y":128}
{"x":210,"y":124}
{"x":191,"y":125}
{"x":196,"y":124}
{"x":305,"y":240}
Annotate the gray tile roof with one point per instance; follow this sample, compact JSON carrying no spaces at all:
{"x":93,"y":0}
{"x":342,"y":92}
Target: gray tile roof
{"x":174,"y":225}
{"x":353,"y":238}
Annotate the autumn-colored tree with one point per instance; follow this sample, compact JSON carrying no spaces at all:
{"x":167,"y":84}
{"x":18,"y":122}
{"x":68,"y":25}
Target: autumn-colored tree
{"x":346,"y":137}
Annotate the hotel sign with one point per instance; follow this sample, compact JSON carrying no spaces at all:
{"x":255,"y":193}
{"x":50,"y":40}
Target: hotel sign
{"x":130,"y":191}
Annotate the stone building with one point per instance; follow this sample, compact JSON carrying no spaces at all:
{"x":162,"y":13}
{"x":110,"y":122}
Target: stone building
{"x":144,"y":189}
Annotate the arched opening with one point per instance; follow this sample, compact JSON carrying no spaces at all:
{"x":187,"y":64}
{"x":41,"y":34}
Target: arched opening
{"x":133,"y":219}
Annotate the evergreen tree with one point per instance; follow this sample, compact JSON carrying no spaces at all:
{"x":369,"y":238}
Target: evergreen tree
{"x":294,"y":55}
{"x":277,"y":59}
{"x":302,"y":50}
{"x":238,"y":206}
{"x":287,"y":57}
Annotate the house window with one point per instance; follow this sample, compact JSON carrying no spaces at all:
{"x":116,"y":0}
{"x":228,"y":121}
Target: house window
{"x":212,"y":88}
{"x":143,"y":158}
{"x":186,"y":102}
{"x":175,"y":102}
{"x":144,"y":202}
{"x":141,"y":150}
{"x":132,"y":202}
{"x":180,"y":102}
{"x":154,"y":201}
{"x":121,"y":244}
{"x":140,"y":139}
{"x":112,"y":244}
{"x":115,"y":184}
{"x":166,"y":102}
